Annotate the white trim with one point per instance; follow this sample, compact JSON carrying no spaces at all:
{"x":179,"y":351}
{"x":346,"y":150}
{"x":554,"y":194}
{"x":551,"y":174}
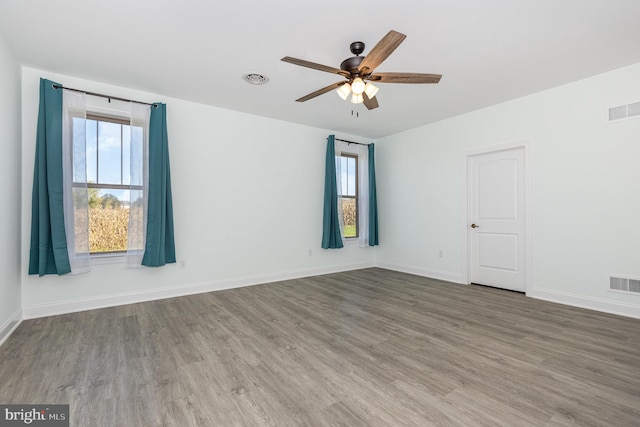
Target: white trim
{"x":352,"y":241}
{"x":525,"y":144}
{"x":591,"y":303}
{"x":618,"y":291}
{"x":464,"y":217}
{"x":108,"y":259}
{"x":565,"y":298}
{"x":10,"y":325}
{"x":419,"y":271}
{"x":71,"y":306}
{"x":528,"y":210}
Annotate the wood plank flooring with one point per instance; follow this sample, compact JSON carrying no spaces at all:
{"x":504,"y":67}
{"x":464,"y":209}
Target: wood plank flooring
{"x":362,"y":348}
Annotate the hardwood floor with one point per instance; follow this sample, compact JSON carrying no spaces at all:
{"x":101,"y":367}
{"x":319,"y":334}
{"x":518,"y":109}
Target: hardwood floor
{"x":369,"y":347}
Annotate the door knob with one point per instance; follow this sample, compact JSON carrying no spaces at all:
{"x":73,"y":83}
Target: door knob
{"x":474,"y":226}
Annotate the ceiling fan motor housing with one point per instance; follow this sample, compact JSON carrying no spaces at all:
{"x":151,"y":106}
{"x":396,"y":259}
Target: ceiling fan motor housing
{"x":351,"y":64}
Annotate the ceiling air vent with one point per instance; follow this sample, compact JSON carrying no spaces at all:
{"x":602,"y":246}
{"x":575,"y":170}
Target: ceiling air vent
{"x":624,"y":112}
{"x":624,"y":284}
{"x":255,"y":78}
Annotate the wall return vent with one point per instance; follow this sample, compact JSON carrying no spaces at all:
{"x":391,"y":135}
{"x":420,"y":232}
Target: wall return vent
{"x":624,"y":112}
{"x":624,"y":284}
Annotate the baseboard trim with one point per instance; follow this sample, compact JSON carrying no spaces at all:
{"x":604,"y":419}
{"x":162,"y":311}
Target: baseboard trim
{"x":72,"y":306}
{"x":10,"y":325}
{"x":418,"y":271}
{"x":590,"y":303}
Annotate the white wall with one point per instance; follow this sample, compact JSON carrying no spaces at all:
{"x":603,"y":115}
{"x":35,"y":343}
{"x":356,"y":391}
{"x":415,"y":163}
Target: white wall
{"x":248,"y":198}
{"x":10,"y":303}
{"x":585,"y":190}
{"x":247,"y":194}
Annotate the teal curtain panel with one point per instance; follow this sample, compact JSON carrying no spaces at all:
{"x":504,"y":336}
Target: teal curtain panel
{"x":48,"y":252}
{"x":373,"y":200}
{"x":159,"y":246}
{"x":331,"y":236}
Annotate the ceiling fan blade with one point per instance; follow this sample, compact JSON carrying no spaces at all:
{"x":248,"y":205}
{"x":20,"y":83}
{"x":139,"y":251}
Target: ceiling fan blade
{"x":320,"y":91}
{"x":370,"y":103}
{"x":303,"y":63}
{"x":405,"y":78}
{"x":381,"y":51}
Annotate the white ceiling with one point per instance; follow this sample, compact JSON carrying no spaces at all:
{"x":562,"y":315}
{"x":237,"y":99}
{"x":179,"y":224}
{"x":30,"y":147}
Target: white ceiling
{"x":488,"y":51}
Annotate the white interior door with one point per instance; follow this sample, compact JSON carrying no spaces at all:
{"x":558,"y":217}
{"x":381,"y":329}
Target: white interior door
{"x":496,"y":219}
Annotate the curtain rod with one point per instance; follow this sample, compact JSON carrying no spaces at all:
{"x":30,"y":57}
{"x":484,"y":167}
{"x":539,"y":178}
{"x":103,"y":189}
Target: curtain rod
{"x":55,"y":86}
{"x":351,"y":142}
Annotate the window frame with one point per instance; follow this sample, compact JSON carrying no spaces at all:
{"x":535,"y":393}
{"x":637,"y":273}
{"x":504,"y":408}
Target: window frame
{"x":122,"y":121}
{"x":356,"y":197}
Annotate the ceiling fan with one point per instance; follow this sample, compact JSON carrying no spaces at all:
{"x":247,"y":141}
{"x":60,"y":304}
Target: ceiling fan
{"x":359,"y":75}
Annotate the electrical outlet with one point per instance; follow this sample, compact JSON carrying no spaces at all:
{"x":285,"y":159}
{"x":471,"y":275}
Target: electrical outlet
{"x":310,"y":252}
{"x":440,"y":253}
{"x":183,"y":263}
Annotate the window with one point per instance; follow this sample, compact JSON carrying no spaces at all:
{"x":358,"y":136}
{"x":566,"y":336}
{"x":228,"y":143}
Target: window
{"x":350,"y":213}
{"x":109,"y":175}
{"x":349,"y":195}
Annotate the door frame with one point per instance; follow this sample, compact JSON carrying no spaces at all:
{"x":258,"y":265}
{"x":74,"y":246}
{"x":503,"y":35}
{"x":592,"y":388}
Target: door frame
{"x":466,"y":211}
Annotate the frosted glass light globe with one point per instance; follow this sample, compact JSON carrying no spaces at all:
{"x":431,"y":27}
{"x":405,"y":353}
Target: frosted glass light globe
{"x":357,"y":87}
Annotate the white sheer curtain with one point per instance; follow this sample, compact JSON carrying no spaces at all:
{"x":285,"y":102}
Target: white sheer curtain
{"x":340,"y":164}
{"x":74,"y":171}
{"x":363,"y":200}
{"x":363,"y":187}
{"x":139,"y":183}
{"x":74,"y":175}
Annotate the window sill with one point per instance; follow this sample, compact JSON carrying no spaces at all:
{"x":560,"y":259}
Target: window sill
{"x":108,"y":259}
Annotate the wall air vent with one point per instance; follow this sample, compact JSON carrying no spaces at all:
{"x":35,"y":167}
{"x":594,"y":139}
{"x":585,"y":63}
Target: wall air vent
{"x":624,"y":284}
{"x":624,"y":112}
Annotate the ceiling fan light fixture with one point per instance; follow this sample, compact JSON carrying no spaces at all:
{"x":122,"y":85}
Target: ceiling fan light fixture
{"x":357,"y":98}
{"x":344,"y":91}
{"x":370,"y":90}
{"x":357,"y":87}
